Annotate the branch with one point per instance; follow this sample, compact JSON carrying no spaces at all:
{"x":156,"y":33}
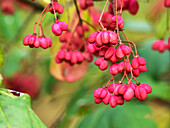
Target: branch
{"x":78,"y":12}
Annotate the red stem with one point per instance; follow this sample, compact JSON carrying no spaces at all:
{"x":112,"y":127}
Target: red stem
{"x":40,"y":17}
{"x":99,"y":21}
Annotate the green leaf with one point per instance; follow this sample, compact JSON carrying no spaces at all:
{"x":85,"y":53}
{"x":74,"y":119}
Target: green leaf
{"x":16,"y":113}
{"x":1,"y":57}
{"x":131,"y":115}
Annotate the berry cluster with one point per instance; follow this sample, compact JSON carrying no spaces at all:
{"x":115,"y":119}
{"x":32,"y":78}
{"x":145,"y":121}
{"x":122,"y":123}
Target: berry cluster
{"x":131,"y":5}
{"x":107,"y":18}
{"x":73,"y":49}
{"x":34,"y":41}
{"x":108,"y":45}
{"x":84,"y":4}
{"x":57,"y":28}
{"x":161,"y":45}
{"x":117,"y":93}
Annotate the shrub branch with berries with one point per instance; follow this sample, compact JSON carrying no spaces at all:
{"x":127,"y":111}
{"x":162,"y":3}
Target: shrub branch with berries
{"x":110,"y":47}
{"x":105,"y":43}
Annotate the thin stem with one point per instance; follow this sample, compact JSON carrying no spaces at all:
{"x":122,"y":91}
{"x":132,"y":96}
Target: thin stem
{"x":128,"y":43}
{"x":167,"y":20}
{"x":109,"y":81}
{"x":113,"y":82}
{"x":40,"y":17}
{"x":78,"y":12}
{"x":113,"y":5}
{"x":133,"y":45}
{"x":132,"y":77}
{"x":121,"y":7}
{"x":54,"y":10}
{"x":99,"y":21}
{"x":117,"y":22}
{"x":41,"y":29}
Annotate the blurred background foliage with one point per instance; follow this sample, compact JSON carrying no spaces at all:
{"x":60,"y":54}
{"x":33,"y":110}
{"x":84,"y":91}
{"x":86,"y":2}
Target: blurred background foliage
{"x":71,"y":105}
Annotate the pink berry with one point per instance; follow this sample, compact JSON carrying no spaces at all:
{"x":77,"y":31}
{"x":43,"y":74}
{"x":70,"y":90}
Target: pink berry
{"x":141,"y":60}
{"x":116,"y":89}
{"x":26,"y":39}
{"x":134,"y":63}
{"x":92,"y":37}
{"x":63,"y":25}
{"x":113,"y":102}
{"x":97,"y":100}
{"x":99,"y":42}
{"x":113,"y":58}
{"x":32,"y":39}
{"x":167,"y":3}
{"x":120,"y":67}
{"x":127,"y":66}
{"x":79,"y":56}
{"x":133,"y":6}
{"x":57,"y":7}
{"x":102,"y":51}
{"x":113,"y":69}
{"x":112,"y":37}
{"x":105,"y":37}
{"x":91,"y":48}
{"x":122,"y":89}
{"x":42,"y":42}
{"x":98,"y":61}
{"x":147,"y":87}
{"x":104,"y":65}
{"x":109,"y":53}
{"x":97,"y":92}
{"x":103,"y":93}
{"x":129,"y":94}
{"x":136,"y":72}
{"x":125,"y":49}
{"x":74,"y":58}
{"x":111,"y":87}
{"x":140,"y":93}
{"x":57,"y":60}
{"x":119,"y":53}
{"x":61,"y":54}
{"x":119,"y":100}
{"x":68,"y":56}
{"x":132,"y":85}
{"x":56,"y":29}
{"x":80,"y":31}
{"x":48,"y":41}
{"x":142,"y":68}
{"x":106,"y":99}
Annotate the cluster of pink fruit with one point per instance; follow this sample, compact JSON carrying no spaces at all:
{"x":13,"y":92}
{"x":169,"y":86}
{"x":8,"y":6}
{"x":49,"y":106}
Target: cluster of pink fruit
{"x":131,"y":5}
{"x":107,"y":21}
{"x":34,"y":41}
{"x":117,"y":93}
{"x":161,"y":45}
{"x":57,"y":28}
{"x":73,"y":48}
{"x":84,"y":4}
{"x":73,"y":57}
{"x":108,"y":45}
